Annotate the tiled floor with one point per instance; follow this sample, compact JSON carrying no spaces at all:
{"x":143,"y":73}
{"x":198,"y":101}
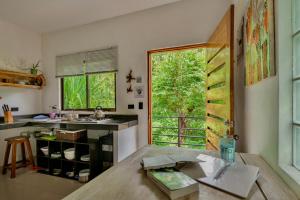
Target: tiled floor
{"x":30,"y":185}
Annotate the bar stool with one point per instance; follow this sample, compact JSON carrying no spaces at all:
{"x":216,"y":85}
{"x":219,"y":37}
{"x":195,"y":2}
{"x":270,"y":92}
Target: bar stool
{"x":13,"y":141}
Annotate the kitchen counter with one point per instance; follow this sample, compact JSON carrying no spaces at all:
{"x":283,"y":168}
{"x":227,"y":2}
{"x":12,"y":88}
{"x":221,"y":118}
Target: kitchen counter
{"x":112,"y":122}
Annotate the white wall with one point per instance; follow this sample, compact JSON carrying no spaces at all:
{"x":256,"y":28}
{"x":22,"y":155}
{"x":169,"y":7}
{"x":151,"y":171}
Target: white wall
{"x":17,"y":44}
{"x":185,"y":22}
{"x":258,"y":105}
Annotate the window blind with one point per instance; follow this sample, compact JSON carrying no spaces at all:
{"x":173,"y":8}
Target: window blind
{"x":104,"y":60}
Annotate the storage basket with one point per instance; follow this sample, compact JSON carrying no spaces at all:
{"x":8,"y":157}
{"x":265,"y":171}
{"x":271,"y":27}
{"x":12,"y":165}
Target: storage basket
{"x":71,"y":135}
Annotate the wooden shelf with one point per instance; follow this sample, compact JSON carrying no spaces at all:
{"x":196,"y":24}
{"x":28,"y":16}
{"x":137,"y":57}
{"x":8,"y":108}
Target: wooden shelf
{"x":16,"y":79}
{"x":19,"y":85}
{"x":17,"y":74}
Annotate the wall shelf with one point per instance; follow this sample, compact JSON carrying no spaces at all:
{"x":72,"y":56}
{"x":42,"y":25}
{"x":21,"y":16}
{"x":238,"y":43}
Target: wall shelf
{"x":21,"y":80}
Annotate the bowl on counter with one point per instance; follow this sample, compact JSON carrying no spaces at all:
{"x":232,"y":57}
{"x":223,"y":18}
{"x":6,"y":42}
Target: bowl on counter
{"x":45,"y":150}
{"x":69,"y":153}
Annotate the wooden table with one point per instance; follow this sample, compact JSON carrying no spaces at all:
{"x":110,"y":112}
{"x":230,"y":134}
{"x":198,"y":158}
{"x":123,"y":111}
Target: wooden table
{"x":127,"y":181}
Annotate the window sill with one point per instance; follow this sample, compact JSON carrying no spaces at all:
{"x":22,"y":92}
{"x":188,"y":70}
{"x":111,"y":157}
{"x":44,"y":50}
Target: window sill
{"x":292,"y":172}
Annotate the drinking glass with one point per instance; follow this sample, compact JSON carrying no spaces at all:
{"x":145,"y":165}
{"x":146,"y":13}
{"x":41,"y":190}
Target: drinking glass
{"x":227,"y":146}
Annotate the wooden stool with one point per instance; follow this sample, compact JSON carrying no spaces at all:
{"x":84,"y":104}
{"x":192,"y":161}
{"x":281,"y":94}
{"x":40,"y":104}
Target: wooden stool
{"x":13,"y":141}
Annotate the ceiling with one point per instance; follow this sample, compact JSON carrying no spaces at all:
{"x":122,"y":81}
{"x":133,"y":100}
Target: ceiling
{"x":52,"y":15}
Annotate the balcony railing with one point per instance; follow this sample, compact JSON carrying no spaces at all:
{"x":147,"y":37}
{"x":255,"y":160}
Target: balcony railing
{"x":179,"y":131}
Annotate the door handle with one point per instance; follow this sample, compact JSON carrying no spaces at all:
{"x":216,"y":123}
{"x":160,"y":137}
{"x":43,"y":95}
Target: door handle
{"x":229,"y":123}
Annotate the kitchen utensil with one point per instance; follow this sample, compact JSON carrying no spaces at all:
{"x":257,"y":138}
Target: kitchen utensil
{"x":84,"y":175}
{"x":52,"y":115}
{"x":99,"y":114}
{"x":5,"y":108}
{"x":75,"y":116}
{"x":69,"y":116}
{"x":8,"y":117}
{"x":45,"y":150}
{"x":69,"y":153}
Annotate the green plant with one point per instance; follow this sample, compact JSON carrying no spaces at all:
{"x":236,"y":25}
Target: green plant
{"x":36,"y":65}
{"x":34,"y":68}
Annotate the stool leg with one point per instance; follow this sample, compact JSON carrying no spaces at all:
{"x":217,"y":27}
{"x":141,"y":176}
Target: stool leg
{"x":13,"y":160}
{"x":23,"y":154}
{"x":29,"y":151}
{"x":6,"y":157}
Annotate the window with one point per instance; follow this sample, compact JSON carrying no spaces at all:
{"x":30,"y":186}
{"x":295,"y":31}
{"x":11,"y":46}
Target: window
{"x":86,"y":92}
{"x":296,"y":83}
{"x":88,"y":79}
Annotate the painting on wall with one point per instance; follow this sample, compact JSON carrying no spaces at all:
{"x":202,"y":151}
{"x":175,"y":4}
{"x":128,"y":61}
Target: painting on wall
{"x":259,"y":41}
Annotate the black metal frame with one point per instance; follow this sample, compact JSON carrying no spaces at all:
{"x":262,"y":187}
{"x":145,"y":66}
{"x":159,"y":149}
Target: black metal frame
{"x":88,"y":96}
{"x":178,"y":135}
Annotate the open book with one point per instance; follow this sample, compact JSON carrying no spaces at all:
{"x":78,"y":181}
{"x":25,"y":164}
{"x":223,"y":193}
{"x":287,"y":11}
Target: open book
{"x":235,"y":178}
{"x":166,"y":161}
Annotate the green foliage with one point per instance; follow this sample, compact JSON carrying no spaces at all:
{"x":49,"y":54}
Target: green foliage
{"x":75,"y":92}
{"x":101,"y":90}
{"x":178,"y":89}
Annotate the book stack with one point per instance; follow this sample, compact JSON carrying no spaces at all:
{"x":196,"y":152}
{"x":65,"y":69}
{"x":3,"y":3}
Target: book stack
{"x":175,"y":184}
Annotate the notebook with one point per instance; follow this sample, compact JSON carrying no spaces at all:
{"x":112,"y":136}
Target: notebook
{"x":236,"y":178}
{"x":173,"y":183}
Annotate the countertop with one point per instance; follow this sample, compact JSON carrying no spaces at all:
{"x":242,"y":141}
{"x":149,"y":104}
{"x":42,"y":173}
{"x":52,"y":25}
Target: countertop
{"x":112,"y":122}
{"x":128,"y":181}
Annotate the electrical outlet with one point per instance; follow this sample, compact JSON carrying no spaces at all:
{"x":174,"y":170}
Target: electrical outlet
{"x":14,"y":109}
{"x":141,"y":105}
{"x":130,"y":106}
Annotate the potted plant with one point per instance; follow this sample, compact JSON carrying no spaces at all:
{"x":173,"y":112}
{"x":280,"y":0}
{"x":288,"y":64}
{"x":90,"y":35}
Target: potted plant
{"x":34,"y":68}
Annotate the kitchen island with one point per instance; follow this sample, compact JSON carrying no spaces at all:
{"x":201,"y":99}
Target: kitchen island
{"x":121,"y":132}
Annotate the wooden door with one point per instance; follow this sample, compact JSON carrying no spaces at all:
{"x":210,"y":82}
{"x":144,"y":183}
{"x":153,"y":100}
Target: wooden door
{"x":220,"y":82}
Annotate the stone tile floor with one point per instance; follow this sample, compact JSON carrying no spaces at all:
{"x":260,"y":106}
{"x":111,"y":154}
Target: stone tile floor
{"x":30,"y":185}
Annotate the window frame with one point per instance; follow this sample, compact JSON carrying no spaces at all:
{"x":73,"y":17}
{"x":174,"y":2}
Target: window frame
{"x":285,"y":63}
{"x":87,"y":94}
{"x":296,"y":78}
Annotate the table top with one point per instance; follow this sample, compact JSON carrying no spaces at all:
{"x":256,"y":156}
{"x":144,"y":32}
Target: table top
{"x":128,"y":181}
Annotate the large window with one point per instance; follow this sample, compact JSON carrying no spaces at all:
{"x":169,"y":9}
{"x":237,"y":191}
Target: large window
{"x":88,"y":79}
{"x":86,"y":92}
{"x":296,"y":82}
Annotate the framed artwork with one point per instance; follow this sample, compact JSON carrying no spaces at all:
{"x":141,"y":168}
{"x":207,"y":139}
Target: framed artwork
{"x":259,"y":41}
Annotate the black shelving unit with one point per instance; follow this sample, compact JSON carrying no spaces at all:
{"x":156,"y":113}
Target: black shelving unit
{"x":46,"y":164}
{"x":107,"y":157}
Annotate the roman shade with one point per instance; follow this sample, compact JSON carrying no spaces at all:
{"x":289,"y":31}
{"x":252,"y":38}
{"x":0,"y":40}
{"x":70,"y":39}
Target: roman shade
{"x":104,"y":60}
